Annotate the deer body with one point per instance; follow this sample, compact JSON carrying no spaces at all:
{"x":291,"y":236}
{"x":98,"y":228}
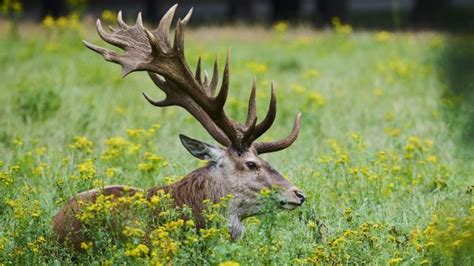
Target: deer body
{"x":235,"y":169}
{"x":222,"y":176}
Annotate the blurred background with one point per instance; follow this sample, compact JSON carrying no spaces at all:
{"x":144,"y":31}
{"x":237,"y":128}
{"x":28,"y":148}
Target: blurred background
{"x":398,"y":14}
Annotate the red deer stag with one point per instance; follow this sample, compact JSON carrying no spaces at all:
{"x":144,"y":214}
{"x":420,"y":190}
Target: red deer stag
{"x":236,"y":169}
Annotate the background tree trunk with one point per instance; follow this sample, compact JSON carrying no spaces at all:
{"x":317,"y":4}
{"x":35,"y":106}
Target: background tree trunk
{"x":285,"y":10}
{"x":327,"y":9}
{"x":55,"y":8}
{"x":431,"y":12}
{"x":152,"y":10}
{"x":241,"y":10}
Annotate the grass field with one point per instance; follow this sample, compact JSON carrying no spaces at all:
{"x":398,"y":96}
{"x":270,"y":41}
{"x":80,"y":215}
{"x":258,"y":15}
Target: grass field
{"x":384,"y":154}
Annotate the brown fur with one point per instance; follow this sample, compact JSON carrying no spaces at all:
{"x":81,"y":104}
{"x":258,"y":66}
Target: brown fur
{"x":192,"y":191}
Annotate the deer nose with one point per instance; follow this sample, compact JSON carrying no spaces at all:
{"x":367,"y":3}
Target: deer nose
{"x":300,"y":196}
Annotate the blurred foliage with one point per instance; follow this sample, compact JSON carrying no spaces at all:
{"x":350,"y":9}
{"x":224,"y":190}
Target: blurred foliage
{"x":12,"y":10}
{"x":37,"y":103}
{"x":455,"y":66}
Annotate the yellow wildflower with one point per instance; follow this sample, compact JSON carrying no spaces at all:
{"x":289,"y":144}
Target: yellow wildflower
{"x":110,"y":172}
{"x":134,"y":148}
{"x":86,"y":245}
{"x":281,"y":26}
{"x":87,"y":169}
{"x":341,"y":28}
{"x":5,"y":178}
{"x":133,"y":232}
{"x":155,"y":200}
{"x":40,"y":150}
{"x":11,"y":7}
{"x":62,"y":22}
{"x":229,"y":263}
{"x":298,"y":88}
{"x":109,"y":16}
{"x":139,"y":251}
{"x":317,"y":98}
{"x":394,"y":261}
{"x":392,"y":132}
{"x":258,"y":68}
{"x":432,"y":159}
{"x":207,"y":233}
{"x":3,"y":243}
{"x":82,"y":144}
{"x":152,"y":157}
{"x":311,"y":73}
{"x":390,"y":116}
{"x":146,"y":167}
{"x":311,"y":225}
{"x":39,"y":169}
{"x":97,"y":183}
{"x":18,"y":141}
{"x":383,"y":36}
{"x":265,"y":192}
{"x":378,"y":92}
{"x":135,"y":133}
{"x":190,"y":223}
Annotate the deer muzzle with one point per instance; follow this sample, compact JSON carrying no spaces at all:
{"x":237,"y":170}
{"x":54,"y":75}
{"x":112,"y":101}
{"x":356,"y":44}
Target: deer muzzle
{"x":292,"y":198}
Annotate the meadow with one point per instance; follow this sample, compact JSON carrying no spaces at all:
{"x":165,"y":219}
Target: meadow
{"x":384,"y":154}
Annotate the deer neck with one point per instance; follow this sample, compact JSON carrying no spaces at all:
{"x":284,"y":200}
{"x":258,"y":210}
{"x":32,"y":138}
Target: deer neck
{"x":221,"y":179}
{"x":206,"y":183}
{"x":201,"y":184}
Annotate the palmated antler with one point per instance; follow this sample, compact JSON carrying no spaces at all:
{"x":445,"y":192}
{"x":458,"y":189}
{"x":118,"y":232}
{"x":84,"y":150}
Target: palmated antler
{"x":151,"y":51}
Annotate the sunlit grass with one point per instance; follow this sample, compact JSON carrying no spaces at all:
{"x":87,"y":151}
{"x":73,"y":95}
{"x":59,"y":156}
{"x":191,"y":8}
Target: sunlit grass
{"x":378,"y":156}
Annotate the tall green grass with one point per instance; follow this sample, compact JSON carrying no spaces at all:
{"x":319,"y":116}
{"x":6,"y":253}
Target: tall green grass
{"x":382,"y":153}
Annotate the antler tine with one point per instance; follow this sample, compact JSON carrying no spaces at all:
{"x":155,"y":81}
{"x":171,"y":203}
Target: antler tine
{"x":120,"y":21}
{"x":112,"y":29}
{"x":264,"y":147}
{"x":159,"y":81}
{"x":206,"y":79}
{"x":198,"y":71}
{"x":107,"y":54}
{"x":222,"y":96}
{"x":252,"y":108}
{"x":248,"y":132}
{"x":156,"y":49}
{"x":109,"y":37}
{"x":251,"y":121}
{"x":215,"y":78}
{"x":162,"y":31}
{"x":139,"y":21}
{"x":179,"y":33}
{"x":188,"y":16}
{"x":267,"y":122}
{"x":162,"y":103}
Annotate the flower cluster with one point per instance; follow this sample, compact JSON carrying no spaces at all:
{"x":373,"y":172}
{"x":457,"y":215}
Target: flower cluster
{"x":341,"y":28}
{"x":70,"y":22}
{"x":11,"y":7}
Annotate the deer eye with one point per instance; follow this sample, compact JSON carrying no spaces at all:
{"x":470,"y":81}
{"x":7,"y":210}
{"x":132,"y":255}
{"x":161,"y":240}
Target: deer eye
{"x":251,"y":165}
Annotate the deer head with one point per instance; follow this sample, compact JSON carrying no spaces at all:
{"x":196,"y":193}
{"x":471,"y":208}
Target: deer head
{"x":236,"y":165}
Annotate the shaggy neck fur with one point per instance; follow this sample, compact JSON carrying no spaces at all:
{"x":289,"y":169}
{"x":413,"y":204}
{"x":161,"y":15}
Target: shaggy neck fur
{"x":204,"y":183}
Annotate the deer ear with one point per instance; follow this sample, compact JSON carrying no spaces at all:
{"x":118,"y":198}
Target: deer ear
{"x":200,"y":149}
